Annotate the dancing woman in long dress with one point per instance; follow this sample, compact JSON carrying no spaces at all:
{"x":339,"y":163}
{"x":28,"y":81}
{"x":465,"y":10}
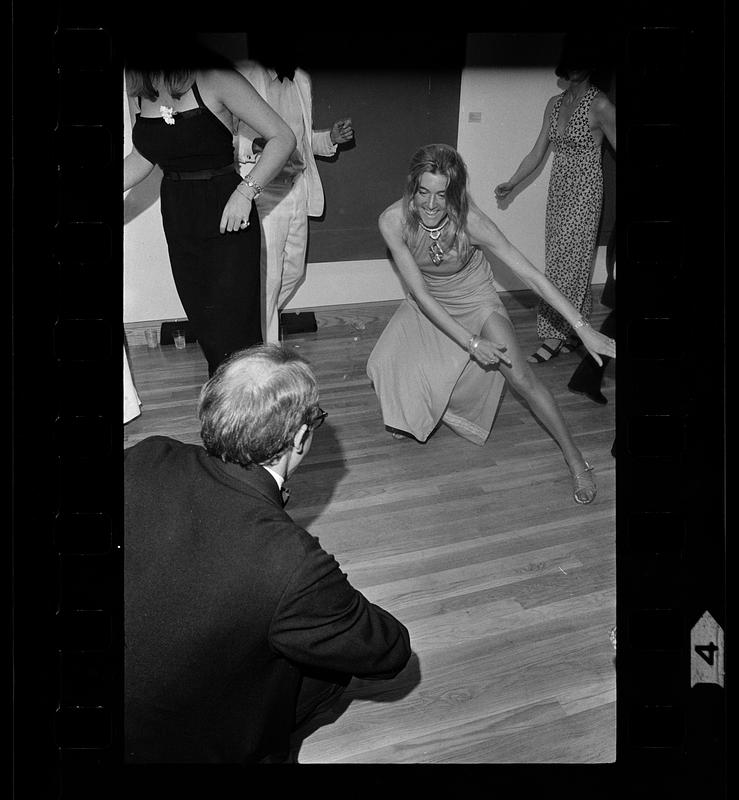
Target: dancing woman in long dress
{"x":450,"y":347}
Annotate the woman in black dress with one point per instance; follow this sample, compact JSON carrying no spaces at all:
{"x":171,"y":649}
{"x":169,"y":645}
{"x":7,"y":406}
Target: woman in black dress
{"x":189,"y":107}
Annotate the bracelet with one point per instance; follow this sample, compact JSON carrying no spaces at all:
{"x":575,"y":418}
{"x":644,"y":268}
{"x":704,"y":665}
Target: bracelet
{"x":473,"y":343}
{"x":249,"y":181}
{"x":248,"y":197}
{"x":581,"y":323}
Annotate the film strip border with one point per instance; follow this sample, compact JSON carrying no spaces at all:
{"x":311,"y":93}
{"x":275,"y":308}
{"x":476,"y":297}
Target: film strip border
{"x":88,"y":347}
{"x":671,"y":405}
{"x":66,"y":334}
{"x":670,"y":454}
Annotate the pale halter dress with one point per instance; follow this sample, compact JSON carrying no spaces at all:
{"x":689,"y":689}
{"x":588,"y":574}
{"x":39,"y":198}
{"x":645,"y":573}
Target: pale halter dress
{"x":420,"y":375}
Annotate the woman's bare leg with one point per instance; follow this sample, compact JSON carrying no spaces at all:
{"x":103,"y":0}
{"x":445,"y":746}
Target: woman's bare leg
{"x":524,"y":381}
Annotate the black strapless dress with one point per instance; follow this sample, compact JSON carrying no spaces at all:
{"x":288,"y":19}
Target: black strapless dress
{"x":216,"y":274}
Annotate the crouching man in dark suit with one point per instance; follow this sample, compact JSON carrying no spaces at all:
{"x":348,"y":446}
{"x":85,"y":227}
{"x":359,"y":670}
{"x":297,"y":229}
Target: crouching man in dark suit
{"x":238,"y":625}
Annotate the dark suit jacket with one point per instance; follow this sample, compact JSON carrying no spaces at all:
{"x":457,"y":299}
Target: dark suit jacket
{"x":226,"y":599}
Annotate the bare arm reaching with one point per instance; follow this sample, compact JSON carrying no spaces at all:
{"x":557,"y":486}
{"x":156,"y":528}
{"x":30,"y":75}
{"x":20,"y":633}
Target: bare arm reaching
{"x":532,"y":160}
{"x":484,"y":232}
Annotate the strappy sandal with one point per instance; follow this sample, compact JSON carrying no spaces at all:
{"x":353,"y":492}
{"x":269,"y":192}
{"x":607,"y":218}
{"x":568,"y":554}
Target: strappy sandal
{"x":571,"y":345}
{"x":544,"y":353}
{"x":584,"y":483}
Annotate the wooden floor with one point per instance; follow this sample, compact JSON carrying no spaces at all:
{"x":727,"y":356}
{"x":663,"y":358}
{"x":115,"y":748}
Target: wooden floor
{"x":506,"y":585}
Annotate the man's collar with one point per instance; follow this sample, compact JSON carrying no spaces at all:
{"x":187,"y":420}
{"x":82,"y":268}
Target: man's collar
{"x":278,"y":76}
{"x":261,"y":478}
{"x":276,"y":475}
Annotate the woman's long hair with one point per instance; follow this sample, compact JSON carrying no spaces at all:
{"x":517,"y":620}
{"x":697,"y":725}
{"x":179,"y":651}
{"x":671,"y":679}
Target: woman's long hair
{"x":440,"y":159}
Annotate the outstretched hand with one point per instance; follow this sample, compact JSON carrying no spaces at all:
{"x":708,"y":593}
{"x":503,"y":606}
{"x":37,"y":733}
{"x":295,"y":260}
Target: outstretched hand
{"x":596,"y":343}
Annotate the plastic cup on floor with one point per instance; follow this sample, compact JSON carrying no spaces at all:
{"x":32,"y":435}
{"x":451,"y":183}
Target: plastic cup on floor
{"x":152,"y":337}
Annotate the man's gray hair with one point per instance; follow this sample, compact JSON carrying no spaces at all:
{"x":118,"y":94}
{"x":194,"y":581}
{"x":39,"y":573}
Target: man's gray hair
{"x":255,"y":403}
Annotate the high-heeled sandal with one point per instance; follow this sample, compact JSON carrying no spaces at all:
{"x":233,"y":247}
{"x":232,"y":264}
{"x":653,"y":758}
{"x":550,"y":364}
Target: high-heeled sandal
{"x":571,"y":345}
{"x":545,"y":352}
{"x":583,"y":482}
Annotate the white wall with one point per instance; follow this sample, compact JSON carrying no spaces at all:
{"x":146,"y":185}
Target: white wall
{"x":149,"y":292}
{"x":511,"y":107}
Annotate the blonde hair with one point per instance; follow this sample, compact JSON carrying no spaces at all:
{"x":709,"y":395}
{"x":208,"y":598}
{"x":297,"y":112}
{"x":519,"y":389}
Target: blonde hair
{"x":440,"y":159}
{"x":146,"y":83}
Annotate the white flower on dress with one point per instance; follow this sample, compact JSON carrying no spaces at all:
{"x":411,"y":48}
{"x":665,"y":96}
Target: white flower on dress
{"x":168,"y":114}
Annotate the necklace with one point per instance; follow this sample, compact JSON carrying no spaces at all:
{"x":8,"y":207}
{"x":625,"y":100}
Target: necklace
{"x":436,"y":252}
{"x":434,"y":233}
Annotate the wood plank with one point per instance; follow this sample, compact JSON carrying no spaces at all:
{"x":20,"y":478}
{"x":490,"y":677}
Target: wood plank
{"x":506,"y":585}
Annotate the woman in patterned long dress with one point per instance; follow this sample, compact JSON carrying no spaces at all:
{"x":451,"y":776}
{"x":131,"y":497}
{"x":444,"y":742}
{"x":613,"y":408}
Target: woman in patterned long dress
{"x":449,"y":348}
{"x":575,"y":124}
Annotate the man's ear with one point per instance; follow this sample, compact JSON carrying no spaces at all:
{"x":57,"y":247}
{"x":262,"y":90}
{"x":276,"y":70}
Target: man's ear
{"x":300,"y":437}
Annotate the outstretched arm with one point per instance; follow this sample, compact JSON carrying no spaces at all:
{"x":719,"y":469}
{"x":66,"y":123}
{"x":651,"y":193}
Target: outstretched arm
{"x":532,"y":160}
{"x":323,"y":622}
{"x":484,"y":232}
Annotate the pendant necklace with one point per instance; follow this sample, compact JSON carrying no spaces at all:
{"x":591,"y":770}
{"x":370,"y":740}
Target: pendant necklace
{"x":435,"y":250}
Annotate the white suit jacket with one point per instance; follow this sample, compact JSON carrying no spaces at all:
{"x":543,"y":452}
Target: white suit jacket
{"x":314,"y":142}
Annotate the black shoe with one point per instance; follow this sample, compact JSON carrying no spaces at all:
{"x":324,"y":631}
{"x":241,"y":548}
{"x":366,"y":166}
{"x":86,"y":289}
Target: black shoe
{"x":570,"y":345}
{"x":595,"y":395}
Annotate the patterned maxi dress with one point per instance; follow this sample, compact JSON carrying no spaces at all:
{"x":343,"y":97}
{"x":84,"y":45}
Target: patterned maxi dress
{"x":572,"y":217}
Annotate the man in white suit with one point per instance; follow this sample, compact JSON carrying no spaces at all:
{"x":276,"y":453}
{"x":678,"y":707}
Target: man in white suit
{"x":285,"y":204}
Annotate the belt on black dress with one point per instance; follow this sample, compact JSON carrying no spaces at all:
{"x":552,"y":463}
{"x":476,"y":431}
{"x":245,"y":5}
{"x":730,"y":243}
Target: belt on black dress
{"x":199,"y":174}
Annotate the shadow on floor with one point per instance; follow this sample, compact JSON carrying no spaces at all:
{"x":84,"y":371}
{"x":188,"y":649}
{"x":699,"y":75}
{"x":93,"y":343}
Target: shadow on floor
{"x":387,"y":691}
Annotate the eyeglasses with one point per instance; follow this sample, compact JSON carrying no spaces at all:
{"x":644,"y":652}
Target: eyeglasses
{"x":317,"y":420}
